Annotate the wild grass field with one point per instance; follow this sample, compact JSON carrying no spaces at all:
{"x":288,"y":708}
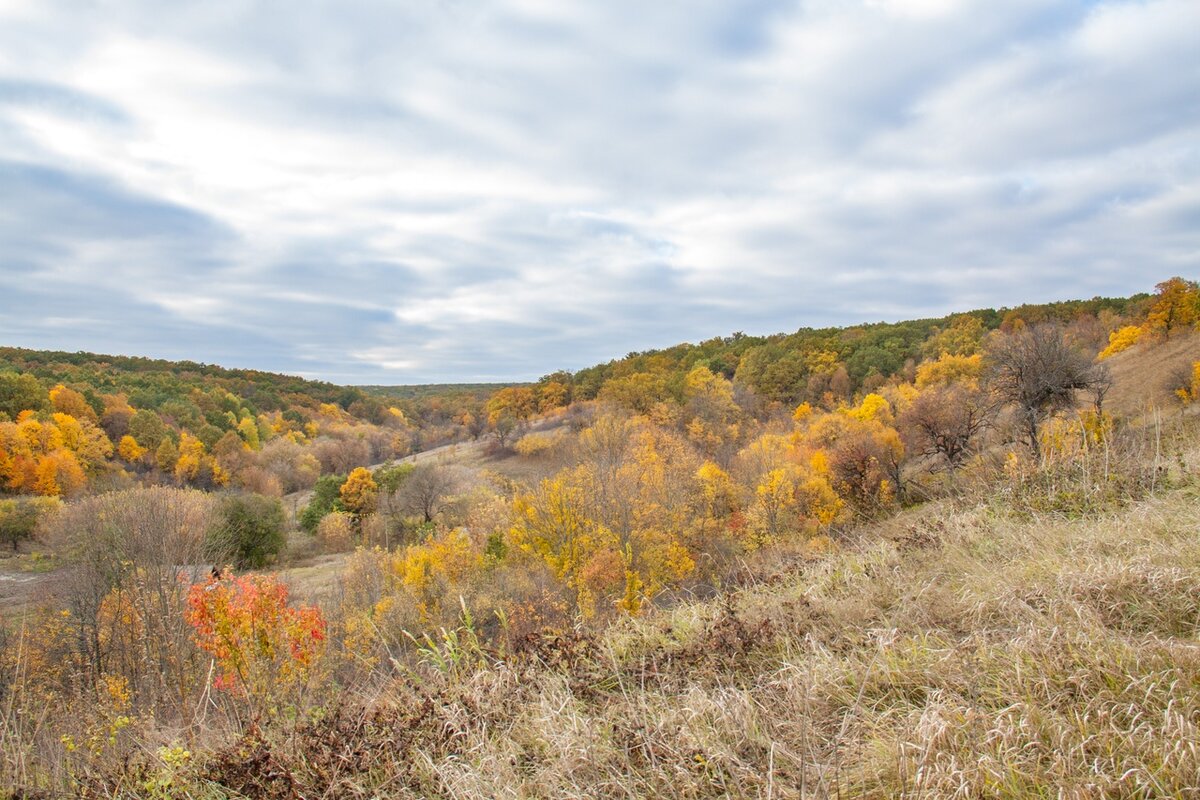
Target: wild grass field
{"x":978,"y":579}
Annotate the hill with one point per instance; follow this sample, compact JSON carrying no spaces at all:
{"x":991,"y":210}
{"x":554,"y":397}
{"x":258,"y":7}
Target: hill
{"x":480,"y":391}
{"x":975,"y":575}
{"x":966,"y":648}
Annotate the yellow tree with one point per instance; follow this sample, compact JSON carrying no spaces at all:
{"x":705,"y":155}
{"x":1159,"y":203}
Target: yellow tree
{"x":638,"y":391}
{"x":426,"y":570}
{"x":17,"y":460}
{"x":129,"y":450}
{"x":248,"y":430}
{"x":58,"y":473}
{"x":552,"y":524}
{"x":1176,"y":305}
{"x":71,"y":402}
{"x":83,"y":438}
{"x":513,"y":401}
{"x":950,"y":368}
{"x":195,"y":465}
{"x":551,"y":395}
{"x":360,"y":492}
{"x":711,"y":411}
{"x":1122,"y":339}
{"x":964,"y":337}
{"x":191,"y":457}
{"x":717,"y":496}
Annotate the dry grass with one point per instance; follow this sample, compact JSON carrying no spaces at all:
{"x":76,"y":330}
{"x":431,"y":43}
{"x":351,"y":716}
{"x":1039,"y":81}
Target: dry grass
{"x":1141,"y":374}
{"x":956,"y":651}
{"x":968,"y":648}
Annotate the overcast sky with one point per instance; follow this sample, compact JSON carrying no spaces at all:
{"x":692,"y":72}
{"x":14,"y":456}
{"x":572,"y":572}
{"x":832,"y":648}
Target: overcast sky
{"x":435,"y":190}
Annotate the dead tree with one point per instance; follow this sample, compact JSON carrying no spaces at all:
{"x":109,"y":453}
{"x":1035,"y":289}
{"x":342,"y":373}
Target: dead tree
{"x":1036,"y":370}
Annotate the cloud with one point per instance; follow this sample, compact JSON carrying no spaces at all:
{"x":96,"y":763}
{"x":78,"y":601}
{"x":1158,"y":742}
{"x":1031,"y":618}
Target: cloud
{"x":383,"y":192}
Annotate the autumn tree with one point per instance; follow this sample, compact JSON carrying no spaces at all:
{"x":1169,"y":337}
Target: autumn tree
{"x":553,"y":394}
{"x":637,"y":392}
{"x":859,"y":453}
{"x":1122,"y":339}
{"x":291,"y":463}
{"x":710,"y":411}
{"x":359,"y":493}
{"x":125,"y":552}
{"x":248,"y":430}
{"x":68,"y":401}
{"x":265,"y":648}
{"x":116,"y":416}
{"x":944,"y":422}
{"x":1176,"y":304}
{"x":949,"y":368}
{"x":426,"y":491}
{"x":195,"y":466}
{"x":963,"y":337}
{"x":517,"y":402}
{"x":130,"y":451}
{"x":1038,"y":372}
{"x":58,"y":473}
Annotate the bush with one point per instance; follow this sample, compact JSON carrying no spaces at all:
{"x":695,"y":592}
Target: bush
{"x":336,"y":531}
{"x":390,"y":477}
{"x":249,"y":530}
{"x":19,"y":518}
{"x":326,"y":497}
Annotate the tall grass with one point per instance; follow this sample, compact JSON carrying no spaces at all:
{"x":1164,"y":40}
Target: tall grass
{"x":1037,"y":639}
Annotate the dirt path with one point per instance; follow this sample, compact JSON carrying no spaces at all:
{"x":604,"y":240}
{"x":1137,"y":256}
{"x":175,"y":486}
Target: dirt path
{"x":18,"y":589}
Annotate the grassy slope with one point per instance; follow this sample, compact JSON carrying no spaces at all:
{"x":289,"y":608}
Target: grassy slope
{"x":956,"y":650}
{"x":1141,"y":374}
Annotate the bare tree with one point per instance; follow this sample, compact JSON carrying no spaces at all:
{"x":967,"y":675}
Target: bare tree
{"x":426,"y":492}
{"x":132,"y":553}
{"x":1039,"y":372}
{"x":943,"y":423}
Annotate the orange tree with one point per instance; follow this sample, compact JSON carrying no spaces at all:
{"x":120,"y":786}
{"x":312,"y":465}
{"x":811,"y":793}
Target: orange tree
{"x":265,"y":649}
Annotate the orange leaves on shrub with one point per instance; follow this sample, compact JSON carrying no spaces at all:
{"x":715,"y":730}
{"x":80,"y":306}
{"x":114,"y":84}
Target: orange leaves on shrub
{"x":259,"y":642}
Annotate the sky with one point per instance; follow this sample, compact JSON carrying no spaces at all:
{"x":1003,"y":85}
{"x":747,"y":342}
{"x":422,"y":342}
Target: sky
{"x":439,"y":190}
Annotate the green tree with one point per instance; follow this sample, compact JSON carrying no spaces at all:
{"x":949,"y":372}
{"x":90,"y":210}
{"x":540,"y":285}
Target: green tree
{"x":19,"y":518}
{"x":166,"y":455}
{"x":21,"y":392}
{"x":326,"y":497}
{"x":249,"y":530}
{"x":148,"y":428}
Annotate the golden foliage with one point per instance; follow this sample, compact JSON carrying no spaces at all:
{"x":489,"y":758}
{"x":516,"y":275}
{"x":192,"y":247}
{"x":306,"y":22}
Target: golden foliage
{"x":1122,"y":339}
{"x":949,"y":368}
{"x":360,"y":492}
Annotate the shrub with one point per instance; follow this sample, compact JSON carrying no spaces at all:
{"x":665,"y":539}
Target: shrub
{"x":19,"y":518}
{"x":1122,"y":339}
{"x":336,"y":531}
{"x":249,"y":530}
{"x":265,"y":649}
{"x":325,"y":498}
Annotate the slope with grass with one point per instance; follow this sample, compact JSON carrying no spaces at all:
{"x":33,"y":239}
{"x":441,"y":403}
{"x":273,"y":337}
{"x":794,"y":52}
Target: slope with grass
{"x":972,"y":648}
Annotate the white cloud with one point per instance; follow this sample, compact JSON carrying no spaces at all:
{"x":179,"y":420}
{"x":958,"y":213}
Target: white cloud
{"x":437,"y":191}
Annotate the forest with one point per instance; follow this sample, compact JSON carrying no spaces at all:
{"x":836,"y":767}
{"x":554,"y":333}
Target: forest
{"x":246,"y":584}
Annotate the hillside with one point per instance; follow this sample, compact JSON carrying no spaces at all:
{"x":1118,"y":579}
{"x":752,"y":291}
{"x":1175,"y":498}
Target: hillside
{"x":963,"y":649}
{"x":1145,"y":376}
{"x":975,"y":575}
